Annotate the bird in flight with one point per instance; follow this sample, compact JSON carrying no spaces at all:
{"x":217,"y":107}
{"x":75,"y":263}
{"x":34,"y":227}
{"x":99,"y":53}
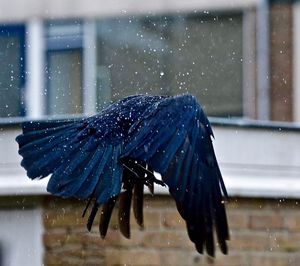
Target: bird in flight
{"x":112,"y":155}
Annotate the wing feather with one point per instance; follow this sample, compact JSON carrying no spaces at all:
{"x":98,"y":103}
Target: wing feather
{"x":26,"y":138}
{"x":42,"y":158}
{"x":76,"y":159}
{"x":190,"y":168}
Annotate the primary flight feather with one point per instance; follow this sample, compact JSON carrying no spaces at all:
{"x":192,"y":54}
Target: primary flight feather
{"x":112,"y":155}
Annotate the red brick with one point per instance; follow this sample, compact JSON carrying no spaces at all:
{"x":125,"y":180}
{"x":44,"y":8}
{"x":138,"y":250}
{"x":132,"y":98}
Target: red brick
{"x":270,"y":260}
{"x":159,"y":202}
{"x":53,"y":259}
{"x":59,"y":218}
{"x":67,"y":242}
{"x":266,"y":221}
{"x":248,"y":204}
{"x":249,"y":241}
{"x":132,"y":257}
{"x":180,"y":257}
{"x":170,"y":239}
{"x":281,"y":61}
{"x":229,"y":260}
{"x":52,"y":240}
{"x":238,"y":219}
{"x":59,"y":259}
{"x":113,"y":239}
{"x":173,"y":220}
{"x":292,"y":223}
{"x":285,"y":242}
{"x":151,"y":220}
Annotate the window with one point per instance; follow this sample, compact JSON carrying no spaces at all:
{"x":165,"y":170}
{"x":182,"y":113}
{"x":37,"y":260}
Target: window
{"x":79,"y":66}
{"x":12,"y":74}
{"x":196,"y":53}
{"x":64,"y":68}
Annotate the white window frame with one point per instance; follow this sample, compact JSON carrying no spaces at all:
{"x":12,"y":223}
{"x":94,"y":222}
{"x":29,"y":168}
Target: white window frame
{"x":35,"y":65}
{"x":36,"y":49}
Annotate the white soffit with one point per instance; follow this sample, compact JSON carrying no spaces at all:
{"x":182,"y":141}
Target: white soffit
{"x":17,"y":10}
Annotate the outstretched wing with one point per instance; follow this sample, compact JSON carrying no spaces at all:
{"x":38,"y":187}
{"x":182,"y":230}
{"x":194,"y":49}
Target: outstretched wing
{"x":91,"y":157}
{"x":80,"y":158}
{"x":175,"y":140}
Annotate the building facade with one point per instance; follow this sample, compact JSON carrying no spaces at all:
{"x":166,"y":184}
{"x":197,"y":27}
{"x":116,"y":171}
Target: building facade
{"x":240,"y":59}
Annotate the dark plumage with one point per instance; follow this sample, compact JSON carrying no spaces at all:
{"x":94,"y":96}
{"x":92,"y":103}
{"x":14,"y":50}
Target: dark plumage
{"x":121,"y":147}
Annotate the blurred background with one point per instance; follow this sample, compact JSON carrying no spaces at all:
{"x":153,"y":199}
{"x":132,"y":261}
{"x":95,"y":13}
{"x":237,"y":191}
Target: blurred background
{"x":241,"y":59}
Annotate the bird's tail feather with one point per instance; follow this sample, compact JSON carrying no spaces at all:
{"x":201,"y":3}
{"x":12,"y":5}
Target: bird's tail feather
{"x":124,"y":212}
{"x":138,"y":203}
{"x":92,"y":216}
{"x":105,"y":216}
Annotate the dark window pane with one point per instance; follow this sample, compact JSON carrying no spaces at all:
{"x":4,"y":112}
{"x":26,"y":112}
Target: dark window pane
{"x":207,"y":62}
{"x":64,"y":90}
{"x":128,"y":59}
{"x":12,"y":71}
{"x":198,"y":54}
{"x":64,"y":67}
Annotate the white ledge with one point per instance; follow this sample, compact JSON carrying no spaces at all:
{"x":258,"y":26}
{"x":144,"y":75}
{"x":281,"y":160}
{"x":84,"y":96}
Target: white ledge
{"x":255,"y":162}
{"x":21,"y":185}
{"x":245,"y":187}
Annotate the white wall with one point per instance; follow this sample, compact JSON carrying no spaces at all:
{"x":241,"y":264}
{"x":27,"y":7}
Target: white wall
{"x":259,"y":162}
{"x":21,"y":10}
{"x":13,"y":179}
{"x":21,"y":237}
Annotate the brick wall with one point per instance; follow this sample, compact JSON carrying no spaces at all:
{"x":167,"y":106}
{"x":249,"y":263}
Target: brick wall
{"x":263,"y":232}
{"x":281,"y":61}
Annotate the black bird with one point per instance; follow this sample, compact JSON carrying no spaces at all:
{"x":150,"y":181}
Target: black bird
{"x":113,"y":154}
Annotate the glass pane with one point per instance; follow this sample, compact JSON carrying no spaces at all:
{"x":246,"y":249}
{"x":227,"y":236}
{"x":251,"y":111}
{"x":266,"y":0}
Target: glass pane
{"x":10,"y":76}
{"x":128,"y":58}
{"x":64,"y":93}
{"x":169,"y":55}
{"x":207,"y":62}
